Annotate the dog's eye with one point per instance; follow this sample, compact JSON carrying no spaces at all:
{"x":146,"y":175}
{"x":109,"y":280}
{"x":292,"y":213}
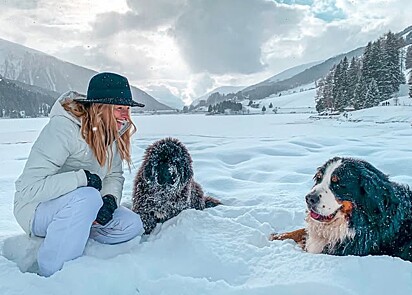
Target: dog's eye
{"x":318,"y":176}
{"x":335,"y":179}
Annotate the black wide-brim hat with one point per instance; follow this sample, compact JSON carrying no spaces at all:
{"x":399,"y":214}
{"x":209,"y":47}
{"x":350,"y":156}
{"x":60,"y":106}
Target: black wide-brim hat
{"x":110,"y":88}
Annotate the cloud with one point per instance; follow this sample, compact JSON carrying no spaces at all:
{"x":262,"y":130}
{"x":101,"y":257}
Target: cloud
{"x":196,"y":45}
{"x":21,"y":4}
{"x":142,"y":15}
{"x":196,"y":86}
{"x":225,"y":37}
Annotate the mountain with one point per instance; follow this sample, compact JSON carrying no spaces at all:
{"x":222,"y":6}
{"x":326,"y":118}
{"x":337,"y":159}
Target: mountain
{"x":36,"y":68}
{"x":276,"y":84}
{"x":286,"y":74}
{"x":18,"y":99}
{"x":221,"y":90}
{"x":309,"y":75}
{"x":163,"y":95}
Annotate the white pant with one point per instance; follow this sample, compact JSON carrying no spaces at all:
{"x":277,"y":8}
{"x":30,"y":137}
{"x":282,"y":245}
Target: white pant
{"x":66,"y":224}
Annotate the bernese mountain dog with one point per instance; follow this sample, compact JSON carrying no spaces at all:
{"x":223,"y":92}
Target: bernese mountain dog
{"x":164,"y":185}
{"x":354,"y":209}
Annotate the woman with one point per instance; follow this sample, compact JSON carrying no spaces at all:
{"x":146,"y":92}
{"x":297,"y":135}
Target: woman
{"x":71,"y":185}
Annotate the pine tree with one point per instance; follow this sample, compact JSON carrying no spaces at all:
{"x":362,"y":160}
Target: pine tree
{"x":325,"y":98}
{"x":368,"y":63}
{"x":209,"y":109}
{"x":372,"y":95}
{"x":391,"y":47}
{"x":410,"y":85}
{"x":341,"y":85}
{"x":408,"y":58}
{"x":358,"y":101}
{"x":263,"y":109}
{"x":353,"y":74}
{"x":319,"y":98}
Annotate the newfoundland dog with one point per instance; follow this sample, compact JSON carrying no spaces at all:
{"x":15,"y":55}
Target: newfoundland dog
{"x":164,"y":185}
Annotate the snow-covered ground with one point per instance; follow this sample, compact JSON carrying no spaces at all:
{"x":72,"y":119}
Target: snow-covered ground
{"x":260,"y":167}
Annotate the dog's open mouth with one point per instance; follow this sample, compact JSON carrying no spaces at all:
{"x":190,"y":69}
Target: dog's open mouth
{"x":322,"y":218}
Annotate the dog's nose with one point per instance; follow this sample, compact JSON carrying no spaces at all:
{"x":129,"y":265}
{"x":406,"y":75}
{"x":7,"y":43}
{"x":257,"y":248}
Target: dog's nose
{"x":164,"y":176}
{"x":312,"y":198}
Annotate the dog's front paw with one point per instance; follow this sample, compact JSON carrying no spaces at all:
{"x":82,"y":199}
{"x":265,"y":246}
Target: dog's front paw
{"x":277,"y":237}
{"x":299,"y":236}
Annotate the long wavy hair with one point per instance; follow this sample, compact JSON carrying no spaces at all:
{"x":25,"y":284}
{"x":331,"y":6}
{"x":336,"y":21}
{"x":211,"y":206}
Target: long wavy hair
{"x":99,"y":130}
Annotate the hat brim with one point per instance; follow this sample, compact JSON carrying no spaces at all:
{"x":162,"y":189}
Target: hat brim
{"x":113,"y":101}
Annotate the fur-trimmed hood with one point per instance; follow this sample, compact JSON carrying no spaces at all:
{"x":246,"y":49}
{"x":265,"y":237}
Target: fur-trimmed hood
{"x":58,"y":110}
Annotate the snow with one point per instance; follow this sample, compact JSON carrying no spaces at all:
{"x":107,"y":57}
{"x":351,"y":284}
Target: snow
{"x":260,"y":167}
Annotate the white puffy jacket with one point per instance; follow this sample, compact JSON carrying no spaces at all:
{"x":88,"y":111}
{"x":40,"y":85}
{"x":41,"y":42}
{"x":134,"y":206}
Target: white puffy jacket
{"x":56,"y":165}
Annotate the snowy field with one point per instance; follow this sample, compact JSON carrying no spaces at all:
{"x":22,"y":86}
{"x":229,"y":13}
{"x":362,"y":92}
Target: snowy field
{"x":260,"y":167}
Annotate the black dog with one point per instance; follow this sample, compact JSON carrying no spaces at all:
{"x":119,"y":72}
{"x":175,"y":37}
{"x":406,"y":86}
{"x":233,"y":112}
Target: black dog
{"x":164,"y":184}
{"x":354,"y":209}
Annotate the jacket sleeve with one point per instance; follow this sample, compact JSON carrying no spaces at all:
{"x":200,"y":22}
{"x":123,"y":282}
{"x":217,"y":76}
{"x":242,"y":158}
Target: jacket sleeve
{"x":41,"y":180}
{"x":113,"y":182}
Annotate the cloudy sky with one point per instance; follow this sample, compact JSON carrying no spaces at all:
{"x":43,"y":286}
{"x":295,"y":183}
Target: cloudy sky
{"x":187,"y":47}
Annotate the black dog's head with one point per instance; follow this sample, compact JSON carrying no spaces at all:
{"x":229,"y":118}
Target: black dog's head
{"x":352,"y":187}
{"x":167,"y":165}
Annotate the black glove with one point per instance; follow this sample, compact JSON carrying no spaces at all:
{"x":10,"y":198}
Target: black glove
{"x":93,"y":180}
{"x":106,"y":211}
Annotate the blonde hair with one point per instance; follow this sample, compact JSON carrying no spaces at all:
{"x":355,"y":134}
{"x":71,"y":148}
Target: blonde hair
{"x":99,"y":130}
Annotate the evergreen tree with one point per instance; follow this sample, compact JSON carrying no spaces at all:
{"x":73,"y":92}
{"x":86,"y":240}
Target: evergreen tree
{"x":324,"y":96}
{"x":209,"y":109}
{"x":270,"y":105}
{"x":263,"y":109}
{"x":410,"y":85}
{"x":353,"y":74}
{"x":392,"y":63}
{"x":372,"y":95}
{"x":341,"y":85}
{"x":319,"y":98}
{"x":408,"y":58}
{"x":368,"y":63}
{"x":361,"y":88}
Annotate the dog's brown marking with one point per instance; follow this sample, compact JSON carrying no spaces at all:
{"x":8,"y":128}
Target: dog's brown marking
{"x":299,"y":236}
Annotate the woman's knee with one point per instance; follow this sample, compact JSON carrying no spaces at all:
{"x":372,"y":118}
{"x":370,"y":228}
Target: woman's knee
{"x":130,"y":222}
{"x":88,"y":198}
{"x":137,"y":225}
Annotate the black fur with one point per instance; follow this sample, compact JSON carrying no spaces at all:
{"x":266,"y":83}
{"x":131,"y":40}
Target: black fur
{"x":164,"y":184}
{"x":382,"y":214}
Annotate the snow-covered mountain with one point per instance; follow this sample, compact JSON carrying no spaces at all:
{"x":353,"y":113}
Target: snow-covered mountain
{"x":269,"y":87}
{"x":306,"y":74}
{"x":221,"y":90}
{"x":33,"y":67}
{"x":163,"y":95}
{"x":286,"y":74}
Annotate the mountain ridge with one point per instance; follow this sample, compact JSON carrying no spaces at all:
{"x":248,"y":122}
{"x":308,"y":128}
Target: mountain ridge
{"x":33,"y":67}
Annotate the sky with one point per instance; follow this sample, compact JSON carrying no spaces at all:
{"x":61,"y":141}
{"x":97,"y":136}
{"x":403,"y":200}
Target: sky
{"x":188,"y":47}
{"x":260,"y":167}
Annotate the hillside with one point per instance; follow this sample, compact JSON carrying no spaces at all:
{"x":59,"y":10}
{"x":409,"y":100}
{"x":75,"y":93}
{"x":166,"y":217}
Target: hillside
{"x":18,"y":99}
{"x":36,"y":68}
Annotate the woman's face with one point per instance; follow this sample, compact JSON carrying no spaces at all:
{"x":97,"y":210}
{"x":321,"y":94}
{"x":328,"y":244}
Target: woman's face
{"x":121,"y":113}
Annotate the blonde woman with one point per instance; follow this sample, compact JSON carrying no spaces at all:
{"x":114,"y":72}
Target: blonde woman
{"x":71,"y":185}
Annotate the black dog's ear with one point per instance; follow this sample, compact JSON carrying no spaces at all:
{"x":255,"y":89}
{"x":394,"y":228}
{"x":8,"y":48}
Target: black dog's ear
{"x":376,"y":191}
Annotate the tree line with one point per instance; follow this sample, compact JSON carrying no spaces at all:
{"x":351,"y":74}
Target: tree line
{"x":365,"y":81}
{"x":17,"y":101}
{"x":220,"y":107}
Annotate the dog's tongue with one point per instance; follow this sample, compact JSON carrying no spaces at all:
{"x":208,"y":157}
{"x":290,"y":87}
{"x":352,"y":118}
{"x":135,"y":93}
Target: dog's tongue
{"x":314,"y":215}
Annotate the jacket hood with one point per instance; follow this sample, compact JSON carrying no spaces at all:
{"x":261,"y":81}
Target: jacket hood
{"x":58,"y":110}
